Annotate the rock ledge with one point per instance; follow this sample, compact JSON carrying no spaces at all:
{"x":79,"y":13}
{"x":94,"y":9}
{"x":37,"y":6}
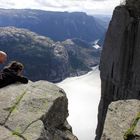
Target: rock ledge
{"x":36,"y":111}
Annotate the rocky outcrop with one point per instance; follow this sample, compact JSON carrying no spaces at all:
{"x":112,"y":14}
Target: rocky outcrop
{"x":82,"y":56}
{"x":122,"y":121}
{"x":120,"y":59}
{"x":36,"y":111}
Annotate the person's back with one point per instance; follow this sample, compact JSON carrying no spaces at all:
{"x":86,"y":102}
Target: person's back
{"x":12,"y":74}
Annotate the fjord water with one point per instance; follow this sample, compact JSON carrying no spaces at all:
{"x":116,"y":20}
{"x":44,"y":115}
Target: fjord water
{"x":83,"y":94}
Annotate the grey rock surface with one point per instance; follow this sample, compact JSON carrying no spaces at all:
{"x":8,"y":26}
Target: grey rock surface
{"x":35,"y":111}
{"x":120,"y":117}
{"x":120,"y":62}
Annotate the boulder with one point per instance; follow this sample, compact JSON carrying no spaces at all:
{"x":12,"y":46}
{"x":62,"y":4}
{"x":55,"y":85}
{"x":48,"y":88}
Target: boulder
{"x":35,"y":111}
{"x":122,"y":121}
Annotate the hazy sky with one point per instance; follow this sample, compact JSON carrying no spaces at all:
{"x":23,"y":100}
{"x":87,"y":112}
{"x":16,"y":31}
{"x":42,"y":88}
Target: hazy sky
{"x":88,"y":6}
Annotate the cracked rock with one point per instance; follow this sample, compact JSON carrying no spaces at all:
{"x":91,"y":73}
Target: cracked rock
{"x":36,"y":111}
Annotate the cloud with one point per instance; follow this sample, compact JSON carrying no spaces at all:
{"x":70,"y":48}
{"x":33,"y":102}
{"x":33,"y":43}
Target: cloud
{"x":88,"y":6}
{"x":6,"y":4}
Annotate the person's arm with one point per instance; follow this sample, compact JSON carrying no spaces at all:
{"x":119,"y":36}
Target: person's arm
{"x":21,"y":79}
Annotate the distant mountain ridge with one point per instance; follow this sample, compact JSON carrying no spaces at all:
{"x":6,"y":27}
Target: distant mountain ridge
{"x":45,"y":59}
{"x":57,"y":25}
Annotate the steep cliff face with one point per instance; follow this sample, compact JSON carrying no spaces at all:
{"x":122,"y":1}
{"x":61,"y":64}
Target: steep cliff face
{"x":120,"y":59}
{"x":36,"y":111}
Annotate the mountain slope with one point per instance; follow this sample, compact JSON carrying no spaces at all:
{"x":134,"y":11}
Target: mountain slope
{"x":44,"y":58}
{"x":56,"y":25}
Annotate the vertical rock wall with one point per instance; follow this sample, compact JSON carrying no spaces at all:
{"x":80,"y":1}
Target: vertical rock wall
{"x":120,"y":62}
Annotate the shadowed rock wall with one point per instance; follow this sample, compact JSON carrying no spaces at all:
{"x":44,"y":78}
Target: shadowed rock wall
{"x":120,"y":62}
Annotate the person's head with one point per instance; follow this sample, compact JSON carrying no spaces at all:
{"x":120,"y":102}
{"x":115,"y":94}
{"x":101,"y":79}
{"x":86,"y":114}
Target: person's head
{"x":3,"y":57}
{"x":16,"y":66}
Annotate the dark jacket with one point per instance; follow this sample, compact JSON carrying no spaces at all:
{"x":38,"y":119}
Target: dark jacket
{"x":8,"y":76}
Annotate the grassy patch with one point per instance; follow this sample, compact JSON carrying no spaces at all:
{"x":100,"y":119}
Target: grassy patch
{"x":130,"y":131}
{"x":15,"y":133}
{"x":18,"y":99}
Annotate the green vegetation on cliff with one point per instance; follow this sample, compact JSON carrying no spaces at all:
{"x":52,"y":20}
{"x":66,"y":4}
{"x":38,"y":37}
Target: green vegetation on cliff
{"x":130,"y":132}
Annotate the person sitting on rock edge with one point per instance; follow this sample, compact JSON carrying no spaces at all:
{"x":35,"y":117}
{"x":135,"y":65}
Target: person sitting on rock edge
{"x":12,"y":74}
